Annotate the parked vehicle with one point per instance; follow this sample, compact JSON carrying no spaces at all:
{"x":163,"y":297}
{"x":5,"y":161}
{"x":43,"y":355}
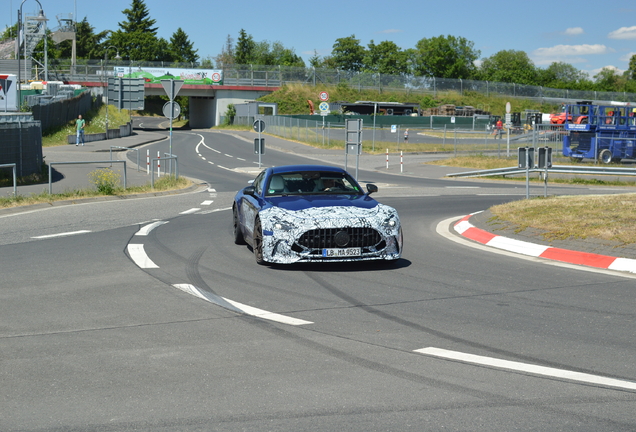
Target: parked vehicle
{"x":608,"y":133}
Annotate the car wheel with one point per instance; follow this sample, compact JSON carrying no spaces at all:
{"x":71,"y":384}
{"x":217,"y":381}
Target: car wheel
{"x":238,"y":235}
{"x":258,"y":243}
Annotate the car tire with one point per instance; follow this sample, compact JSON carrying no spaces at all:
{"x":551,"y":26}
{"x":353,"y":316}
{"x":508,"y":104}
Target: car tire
{"x":236,"y":227}
{"x":257,"y":244}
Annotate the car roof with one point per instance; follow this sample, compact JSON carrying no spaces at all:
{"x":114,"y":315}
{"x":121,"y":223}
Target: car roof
{"x":296,"y":168}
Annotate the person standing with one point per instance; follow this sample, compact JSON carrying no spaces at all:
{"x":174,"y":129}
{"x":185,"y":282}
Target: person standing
{"x":79,"y":125}
{"x":498,"y":128}
{"x":406,"y":136}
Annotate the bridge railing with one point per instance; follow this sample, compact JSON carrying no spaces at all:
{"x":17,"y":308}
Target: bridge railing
{"x":276,"y":76}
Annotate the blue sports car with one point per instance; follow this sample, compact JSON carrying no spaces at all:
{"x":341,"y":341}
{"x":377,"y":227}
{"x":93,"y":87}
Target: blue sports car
{"x":310,"y":213}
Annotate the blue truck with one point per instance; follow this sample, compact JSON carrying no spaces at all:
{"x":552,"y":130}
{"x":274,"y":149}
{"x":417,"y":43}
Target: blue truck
{"x":601,"y":132}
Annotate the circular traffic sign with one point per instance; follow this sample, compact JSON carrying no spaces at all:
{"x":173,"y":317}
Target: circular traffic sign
{"x":171,"y":110}
{"x":324,"y":96}
{"x":324,"y":106}
{"x":216,"y":77}
{"x":259,"y":125}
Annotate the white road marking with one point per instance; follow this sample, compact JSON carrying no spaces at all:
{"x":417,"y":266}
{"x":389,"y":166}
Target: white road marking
{"x":61,"y":234}
{"x":211,"y":190}
{"x":463,"y":187}
{"x":192,"y":210}
{"x":239,"y":307}
{"x":241,"y":159}
{"x":228,"y":155}
{"x":202,"y":157}
{"x":211,"y":163}
{"x":526,"y":367}
{"x":138,"y":255}
{"x":214,"y":211}
{"x":207,"y":202}
{"x":144,"y":231}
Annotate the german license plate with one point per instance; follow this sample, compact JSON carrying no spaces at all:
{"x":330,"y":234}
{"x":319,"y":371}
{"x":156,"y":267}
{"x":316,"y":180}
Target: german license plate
{"x":341,"y":253}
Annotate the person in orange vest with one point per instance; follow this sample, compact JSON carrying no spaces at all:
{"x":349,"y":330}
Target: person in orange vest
{"x":498,"y":129}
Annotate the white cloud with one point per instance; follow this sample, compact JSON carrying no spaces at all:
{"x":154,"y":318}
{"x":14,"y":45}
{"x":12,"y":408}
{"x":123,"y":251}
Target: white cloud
{"x":573,"y":31}
{"x":623,"y":33}
{"x":571,"y":50}
{"x":594,"y":72}
{"x":627,"y":57}
{"x":566,"y":53}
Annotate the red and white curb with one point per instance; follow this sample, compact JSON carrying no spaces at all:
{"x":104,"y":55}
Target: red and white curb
{"x":466,"y":229}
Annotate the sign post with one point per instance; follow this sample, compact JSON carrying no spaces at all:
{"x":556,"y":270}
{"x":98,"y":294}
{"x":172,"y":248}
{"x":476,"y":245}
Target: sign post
{"x":508,"y":126}
{"x":171,"y":88}
{"x":259,"y":143}
{"x":353,"y":140}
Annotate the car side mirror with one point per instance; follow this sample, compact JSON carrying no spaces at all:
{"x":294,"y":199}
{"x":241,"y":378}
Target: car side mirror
{"x":249,"y":190}
{"x":371,"y":188}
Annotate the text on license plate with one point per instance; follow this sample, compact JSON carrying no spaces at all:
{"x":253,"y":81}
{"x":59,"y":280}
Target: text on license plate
{"x":344,"y":252}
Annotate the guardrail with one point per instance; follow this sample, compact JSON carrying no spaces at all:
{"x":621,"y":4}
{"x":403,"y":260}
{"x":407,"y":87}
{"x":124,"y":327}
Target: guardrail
{"x":82,"y":163}
{"x":15,"y":182}
{"x":562,"y":169}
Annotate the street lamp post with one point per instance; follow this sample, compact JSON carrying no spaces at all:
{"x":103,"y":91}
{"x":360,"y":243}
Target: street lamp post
{"x":103,"y":74}
{"x":42,"y":17}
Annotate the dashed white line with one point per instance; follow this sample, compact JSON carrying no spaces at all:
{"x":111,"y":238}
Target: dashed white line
{"x":65,"y":234}
{"x":207,"y":202}
{"x":529,"y":368}
{"x":139,"y":256}
{"x":190,"y":211}
{"x":240,"y":307}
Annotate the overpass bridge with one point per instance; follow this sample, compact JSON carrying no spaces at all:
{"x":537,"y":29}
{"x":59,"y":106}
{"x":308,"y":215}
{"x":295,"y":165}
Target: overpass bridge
{"x":209,"y":91}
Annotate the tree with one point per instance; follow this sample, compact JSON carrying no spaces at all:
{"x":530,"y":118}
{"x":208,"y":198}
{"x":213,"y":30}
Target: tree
{"x":563,"y":76}
{"x":138,"y":19}
{"x":509,"y":66}
{"x":385,"y":58}
{"x":181,"y":49}
{"x":609,"y":80}
{"x":245,"y":49}
{"x":226,"y":58}
{"x":631,"y":69}
{"x":136,"y":38}
{"x":347,"y":54}
{"x":445,"y":57}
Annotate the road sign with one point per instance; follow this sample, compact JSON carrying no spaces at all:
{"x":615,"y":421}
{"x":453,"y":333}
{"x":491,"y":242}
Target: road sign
{"x":259,"y":146}
{"x":324,"y":96}
{"x":508,"y":107}
{"x":171,"y":87}
{"x":259,"y":125}
{"x":171,"y":110}
{"x":324,"y":106}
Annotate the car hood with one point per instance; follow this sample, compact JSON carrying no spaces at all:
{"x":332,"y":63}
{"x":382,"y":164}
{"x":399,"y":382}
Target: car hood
{"x":300,"y":202}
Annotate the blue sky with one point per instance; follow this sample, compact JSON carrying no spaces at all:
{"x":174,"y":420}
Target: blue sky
{"x":589,"y":35}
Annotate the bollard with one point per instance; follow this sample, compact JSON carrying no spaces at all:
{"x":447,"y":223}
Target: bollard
{"x":147,"y":161}
{"x":387,"y":158}
{"x":158,"y":164}
{"x":401,"y":162}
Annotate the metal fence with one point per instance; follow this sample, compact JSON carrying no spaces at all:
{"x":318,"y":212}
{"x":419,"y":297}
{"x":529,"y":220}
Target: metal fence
{"x":276,"y":76}
{"x":441,"y":138}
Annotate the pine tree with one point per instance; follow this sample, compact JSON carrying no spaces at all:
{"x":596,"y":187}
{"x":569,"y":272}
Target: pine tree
{"x":181,"y":49}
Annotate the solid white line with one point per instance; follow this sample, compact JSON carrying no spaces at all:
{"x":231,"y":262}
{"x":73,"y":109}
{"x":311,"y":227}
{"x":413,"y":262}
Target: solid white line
{"x":61,"y":234}
{"x":239,"y":307}
{"x":207,"y":202}
{"x":529,"y":368}
{"x":144,"y":231}
{"x":463,"y":187}
{"x":138,"y":255}
{"x":192,"y":210}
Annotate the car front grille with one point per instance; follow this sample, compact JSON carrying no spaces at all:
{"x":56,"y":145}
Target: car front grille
{"x":339,"y":238}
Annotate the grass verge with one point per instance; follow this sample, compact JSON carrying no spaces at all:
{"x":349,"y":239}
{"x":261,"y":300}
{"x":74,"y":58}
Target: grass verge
{"x":166,"y":183}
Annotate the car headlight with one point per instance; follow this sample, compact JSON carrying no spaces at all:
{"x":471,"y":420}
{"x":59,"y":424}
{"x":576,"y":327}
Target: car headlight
{"x":390,"y":222}
{"x":283,"y":226}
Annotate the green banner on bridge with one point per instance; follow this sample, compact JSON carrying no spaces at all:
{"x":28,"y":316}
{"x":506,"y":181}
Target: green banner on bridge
{"x":155,"y":75}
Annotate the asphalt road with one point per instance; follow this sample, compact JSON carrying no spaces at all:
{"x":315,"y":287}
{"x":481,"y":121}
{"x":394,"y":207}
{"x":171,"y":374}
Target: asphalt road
{"x":198,"y":337}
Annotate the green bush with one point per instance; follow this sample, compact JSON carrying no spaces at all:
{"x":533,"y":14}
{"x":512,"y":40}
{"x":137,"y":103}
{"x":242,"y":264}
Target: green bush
{"x":106,"y":180}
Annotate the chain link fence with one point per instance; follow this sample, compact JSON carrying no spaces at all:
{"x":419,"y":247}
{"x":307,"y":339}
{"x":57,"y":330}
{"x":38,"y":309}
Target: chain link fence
{"x":276,"y":76}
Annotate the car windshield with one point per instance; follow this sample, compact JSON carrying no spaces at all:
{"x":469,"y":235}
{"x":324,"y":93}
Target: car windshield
{"x":312,"y":183}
